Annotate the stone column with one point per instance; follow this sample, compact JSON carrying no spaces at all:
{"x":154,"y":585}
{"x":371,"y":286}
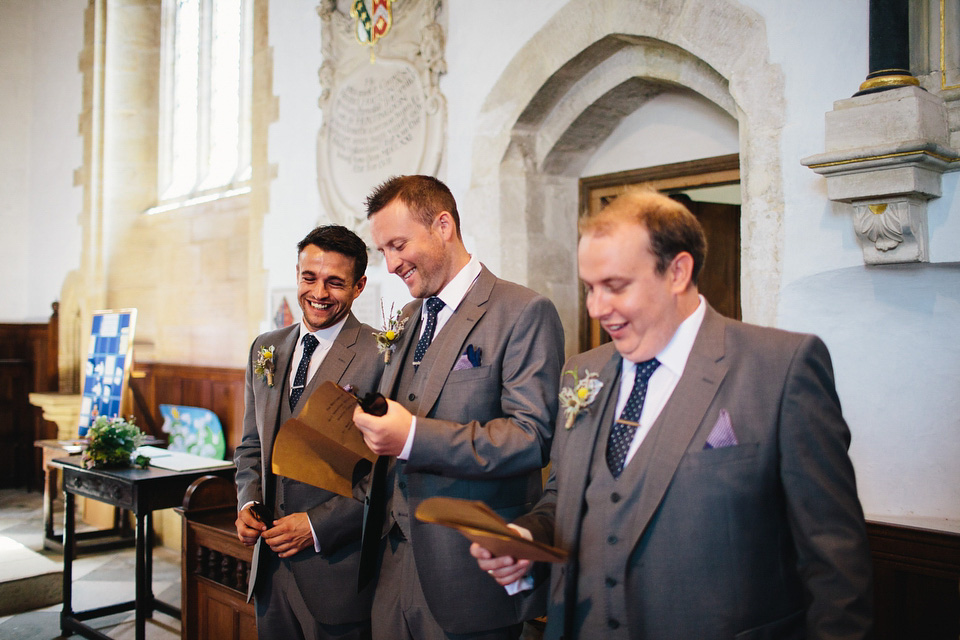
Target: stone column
{"x":889,"y":47}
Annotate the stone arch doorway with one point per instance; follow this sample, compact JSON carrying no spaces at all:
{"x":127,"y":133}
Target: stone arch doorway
{"x":567,"y":90}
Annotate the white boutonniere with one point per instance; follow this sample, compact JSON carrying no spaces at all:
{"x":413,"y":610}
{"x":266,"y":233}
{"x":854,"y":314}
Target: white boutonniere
{"x":387,"y":338}
{"x":265,"y":365}
{"x":581,"y":395}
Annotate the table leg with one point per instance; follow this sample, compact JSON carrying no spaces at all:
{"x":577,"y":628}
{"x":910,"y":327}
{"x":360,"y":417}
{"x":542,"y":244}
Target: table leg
{"x":148,"y":566}
{"x":68,"y":554}
{"x":141,"y":574}
{"x":49,"y":490}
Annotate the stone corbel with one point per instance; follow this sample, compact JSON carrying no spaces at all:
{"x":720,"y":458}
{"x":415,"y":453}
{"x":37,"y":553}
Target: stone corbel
{"x":892,"y":231}
{"x":886,"y":153}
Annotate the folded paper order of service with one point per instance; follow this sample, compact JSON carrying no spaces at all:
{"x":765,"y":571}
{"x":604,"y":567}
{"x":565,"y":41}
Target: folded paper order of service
{"x":481,"y":524}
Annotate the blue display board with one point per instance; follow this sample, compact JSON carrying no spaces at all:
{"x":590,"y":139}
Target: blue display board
{"x":109,"y":356}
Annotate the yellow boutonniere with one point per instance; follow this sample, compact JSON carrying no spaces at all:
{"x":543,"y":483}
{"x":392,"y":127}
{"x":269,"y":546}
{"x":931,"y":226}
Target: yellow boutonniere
{"x":265,"y":364}
{"x":575,"y":399}
{"x":387,"y":338}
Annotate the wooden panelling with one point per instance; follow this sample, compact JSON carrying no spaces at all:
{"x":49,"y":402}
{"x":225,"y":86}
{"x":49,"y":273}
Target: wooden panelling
{"x":214,"y":565}
{"x":28,"y":363}
{"x":219,"y":389}
{"x":916,"y":582}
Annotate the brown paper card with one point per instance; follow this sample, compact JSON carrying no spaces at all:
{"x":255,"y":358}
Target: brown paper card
{"x":481,"y":524}
{"x":321,"y":446}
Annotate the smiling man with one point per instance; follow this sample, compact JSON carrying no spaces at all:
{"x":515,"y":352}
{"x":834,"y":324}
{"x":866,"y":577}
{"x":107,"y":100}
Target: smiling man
{"x":306,"y":587}
{"x":702,"y":485}
{"x":473,"y":384}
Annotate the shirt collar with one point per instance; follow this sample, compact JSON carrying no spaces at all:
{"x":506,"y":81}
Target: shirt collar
{"x":674,"y":356}
{"x":456,"y":290}
{"x":325,"y":337}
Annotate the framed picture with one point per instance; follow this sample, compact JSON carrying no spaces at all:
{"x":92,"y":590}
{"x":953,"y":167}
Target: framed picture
{"x":284,"y":308}
{"x":107,"y":367}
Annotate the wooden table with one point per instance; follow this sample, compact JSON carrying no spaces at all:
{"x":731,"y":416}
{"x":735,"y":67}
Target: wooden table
{"x":140,"y":491}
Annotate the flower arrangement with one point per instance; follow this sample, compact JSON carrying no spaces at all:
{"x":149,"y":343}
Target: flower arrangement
{"x":265,"y":364}
{"x":581,"y":395}
{"x":111,"y":442}
{"x":387,"y":338}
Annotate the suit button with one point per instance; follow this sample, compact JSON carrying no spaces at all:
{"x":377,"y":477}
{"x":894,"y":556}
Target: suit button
{"x":610,"y":582}
{"x":612,"y":540}
{"x":402,"y":485}
{"x":412,"y":397}
{"x":614,"y":497}
{"x":613,"y":623}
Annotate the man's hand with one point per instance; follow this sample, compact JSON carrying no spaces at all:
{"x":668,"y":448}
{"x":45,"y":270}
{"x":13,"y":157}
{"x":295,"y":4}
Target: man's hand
{"x":504,"y":569}
{"x":248,"y":527}
{"x":385,"y":435}
{"x":289,"y":535}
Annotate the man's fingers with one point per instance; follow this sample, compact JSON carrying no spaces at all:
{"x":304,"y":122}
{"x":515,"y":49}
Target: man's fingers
{"x":480,"y":553}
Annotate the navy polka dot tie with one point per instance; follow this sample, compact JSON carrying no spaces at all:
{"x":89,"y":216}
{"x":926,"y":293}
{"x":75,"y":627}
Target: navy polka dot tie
{"x":433,"y":308}
{"x":626,"y":425}
{"x":300,"y":380}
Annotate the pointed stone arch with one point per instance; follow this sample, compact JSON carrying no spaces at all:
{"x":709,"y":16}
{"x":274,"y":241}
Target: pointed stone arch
{"x":594,"y":63}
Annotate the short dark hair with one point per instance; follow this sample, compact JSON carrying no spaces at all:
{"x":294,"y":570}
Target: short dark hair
{"x":671,"y":226}
{"x":334,"y":237}
{"x":425,"y":196}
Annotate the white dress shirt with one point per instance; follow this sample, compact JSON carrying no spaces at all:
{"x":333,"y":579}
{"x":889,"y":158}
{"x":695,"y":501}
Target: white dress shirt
{"x":451,"y":296}
{"x":673,"y":360}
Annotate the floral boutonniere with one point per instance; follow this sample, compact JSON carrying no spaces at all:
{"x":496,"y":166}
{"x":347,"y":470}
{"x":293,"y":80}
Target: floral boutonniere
{"x":387,"y":338}
{"x":265,"y":364}
{"x":578,"y":397}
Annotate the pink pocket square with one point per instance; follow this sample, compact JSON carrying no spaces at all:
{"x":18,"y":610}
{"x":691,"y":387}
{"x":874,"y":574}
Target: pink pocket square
{"x":722,"y":434}
{"x":463,"y":363}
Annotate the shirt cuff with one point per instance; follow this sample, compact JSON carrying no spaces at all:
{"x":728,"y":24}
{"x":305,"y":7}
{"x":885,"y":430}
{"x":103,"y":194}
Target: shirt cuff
{"x":523,"y":584}
{"x":405,"y":453}
{"x":316,"y":543}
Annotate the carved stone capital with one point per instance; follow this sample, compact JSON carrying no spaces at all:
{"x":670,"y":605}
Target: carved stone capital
{"x":885,"y":155}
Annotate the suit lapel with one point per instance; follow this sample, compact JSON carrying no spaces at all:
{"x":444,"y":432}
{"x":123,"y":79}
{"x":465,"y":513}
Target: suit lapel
{"x":271,"y":410}
{"x":582,"y":439}
{"x":391,"y":372}
{"x":455,"y":333}
{"x":681,"y":417}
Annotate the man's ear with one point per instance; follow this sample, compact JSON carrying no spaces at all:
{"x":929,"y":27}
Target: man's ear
{"x":680,"y":272}
{"x":361,"y":283}
{"x":445,"y":225}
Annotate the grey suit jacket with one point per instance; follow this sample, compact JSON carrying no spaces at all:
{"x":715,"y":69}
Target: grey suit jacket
{"x":326,"y":580}
{"x":764,"y":539}
{"x":483,"y":433}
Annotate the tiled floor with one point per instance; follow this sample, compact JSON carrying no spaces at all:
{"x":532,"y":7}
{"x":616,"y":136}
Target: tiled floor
{"x":99,"y":579}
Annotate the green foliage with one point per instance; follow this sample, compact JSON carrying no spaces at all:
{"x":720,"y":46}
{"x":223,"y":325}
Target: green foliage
{"x":112,"y":441}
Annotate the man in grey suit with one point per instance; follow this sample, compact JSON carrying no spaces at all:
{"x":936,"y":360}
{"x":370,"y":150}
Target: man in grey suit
{"x":700,"y":477}
{"x":474,"y":377}
{"x":306,"y":586}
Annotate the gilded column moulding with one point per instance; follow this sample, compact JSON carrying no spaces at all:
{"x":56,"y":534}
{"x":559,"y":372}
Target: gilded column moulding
{"x":383,"y":113}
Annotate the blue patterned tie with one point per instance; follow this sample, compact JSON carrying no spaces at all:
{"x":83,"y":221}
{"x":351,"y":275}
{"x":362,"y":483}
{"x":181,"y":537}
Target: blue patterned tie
{"x":300,"y":380}
{"x":433,"y":308}
{"x":626,"y":425}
